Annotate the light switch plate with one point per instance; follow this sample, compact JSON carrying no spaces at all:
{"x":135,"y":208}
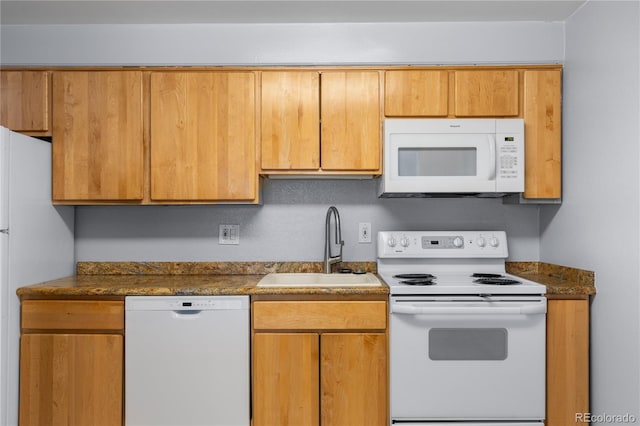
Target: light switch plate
{"x":229,"y":234}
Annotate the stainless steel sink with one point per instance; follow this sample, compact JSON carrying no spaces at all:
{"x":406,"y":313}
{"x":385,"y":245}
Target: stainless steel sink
{"x":319,"y":280}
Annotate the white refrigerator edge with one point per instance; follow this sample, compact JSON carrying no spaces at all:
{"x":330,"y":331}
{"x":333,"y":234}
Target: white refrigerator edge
{"x":36,"y":245}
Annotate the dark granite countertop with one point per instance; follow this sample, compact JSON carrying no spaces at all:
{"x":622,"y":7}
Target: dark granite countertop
{"x":119,"y":279}
{"x":561,"y":281}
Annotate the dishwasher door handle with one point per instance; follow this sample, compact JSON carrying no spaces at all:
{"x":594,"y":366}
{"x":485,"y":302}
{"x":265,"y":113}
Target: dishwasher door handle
{"x":186,"y":313}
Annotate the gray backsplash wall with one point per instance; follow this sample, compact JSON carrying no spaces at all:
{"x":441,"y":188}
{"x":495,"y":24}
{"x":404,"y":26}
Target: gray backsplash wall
{"x":289,"y":225}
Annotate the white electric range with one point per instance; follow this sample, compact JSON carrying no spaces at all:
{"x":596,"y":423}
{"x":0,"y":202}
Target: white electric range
{"x":467,"y":340}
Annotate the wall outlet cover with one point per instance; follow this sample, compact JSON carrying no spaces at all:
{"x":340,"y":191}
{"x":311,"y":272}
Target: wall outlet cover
{"x":229,"y":234}
{"x":364,"y":233}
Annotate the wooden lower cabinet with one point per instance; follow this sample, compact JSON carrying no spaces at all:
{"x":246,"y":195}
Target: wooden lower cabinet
{"x":567,"y":361}
{"x":285,"y":379}
{"x":353,"y":379}
{"x":71,"y":375}
{"x":71,"y":379}
{"x":319,"y":376}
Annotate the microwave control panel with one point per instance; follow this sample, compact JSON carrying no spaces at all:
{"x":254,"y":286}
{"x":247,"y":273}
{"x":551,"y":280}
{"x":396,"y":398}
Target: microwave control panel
{"x":510,"y":157}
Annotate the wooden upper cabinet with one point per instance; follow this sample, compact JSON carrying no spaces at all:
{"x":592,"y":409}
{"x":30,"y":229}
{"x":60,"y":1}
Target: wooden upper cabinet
{"x":203,"y":136}
{"x":486,"y":93}
{"x":420,"y":93}
{"x":25,"y":101}
{"x":97,"y":136}
{"x":543,"y":133}
{"x":290,"y":120}
{"x":320,"y":121}
{"x":350,"y":117}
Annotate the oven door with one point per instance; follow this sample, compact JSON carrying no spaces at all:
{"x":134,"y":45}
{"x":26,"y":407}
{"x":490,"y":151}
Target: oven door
{"x":467,"y":358}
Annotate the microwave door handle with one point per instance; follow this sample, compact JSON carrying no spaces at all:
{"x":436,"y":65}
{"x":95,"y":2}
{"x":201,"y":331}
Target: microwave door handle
{"x":492,"y":157}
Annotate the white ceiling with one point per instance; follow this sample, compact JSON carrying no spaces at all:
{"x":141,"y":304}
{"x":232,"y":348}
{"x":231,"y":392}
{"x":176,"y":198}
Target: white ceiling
{"x":56,"y":12}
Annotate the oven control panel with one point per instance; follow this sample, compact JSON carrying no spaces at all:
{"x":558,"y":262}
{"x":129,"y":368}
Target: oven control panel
{"x":442,"y":244}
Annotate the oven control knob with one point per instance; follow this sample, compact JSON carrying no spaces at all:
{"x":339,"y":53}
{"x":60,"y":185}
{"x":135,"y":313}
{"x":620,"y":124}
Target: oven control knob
{"x":481,"y":242}
{"x":404,"y":242}
{"x":391,"y":242}
{"x":494,"y":242}
{"x":458,"y":242}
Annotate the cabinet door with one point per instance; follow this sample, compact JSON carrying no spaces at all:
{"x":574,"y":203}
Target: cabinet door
{"x":567,"y":361}
{"x":97,"y":136}
{"x":354,"y":379}
{"x":543,"y":133}
{"x":24,"y":101}
{"x":290,"y":120}
{"x":350,"y":115}
{"x":486,"y":93}
{"x":416,"y":93}
{"x":203,"y":136}
{"x":285,"y":379}
{"x":73,"y":379}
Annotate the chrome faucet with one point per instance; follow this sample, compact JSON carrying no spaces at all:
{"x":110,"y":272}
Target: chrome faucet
{"x":328,"y":259}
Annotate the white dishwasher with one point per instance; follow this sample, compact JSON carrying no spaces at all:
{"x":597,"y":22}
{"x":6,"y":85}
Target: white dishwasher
{"x":187,"y":360}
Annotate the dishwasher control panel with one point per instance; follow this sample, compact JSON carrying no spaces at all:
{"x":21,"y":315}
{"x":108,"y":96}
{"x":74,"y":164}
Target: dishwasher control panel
{"x":185,"y":303}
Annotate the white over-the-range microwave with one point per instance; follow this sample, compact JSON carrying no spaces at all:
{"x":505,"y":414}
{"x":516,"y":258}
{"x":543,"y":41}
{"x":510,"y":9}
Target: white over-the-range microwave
{"x":452,"y":157}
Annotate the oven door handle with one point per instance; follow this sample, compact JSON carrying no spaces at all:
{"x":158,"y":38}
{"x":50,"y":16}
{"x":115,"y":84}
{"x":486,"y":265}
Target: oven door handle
{"x":467,"y":310}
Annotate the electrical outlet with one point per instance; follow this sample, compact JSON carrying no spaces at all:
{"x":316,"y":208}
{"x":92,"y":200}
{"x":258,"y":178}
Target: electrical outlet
{"x":364,"y":233}
{"x":229,"y":234}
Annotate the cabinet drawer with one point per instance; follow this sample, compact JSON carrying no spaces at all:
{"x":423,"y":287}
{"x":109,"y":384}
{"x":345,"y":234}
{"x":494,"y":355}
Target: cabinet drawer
{"x":72,"y":315}
{"x":307,"y":315}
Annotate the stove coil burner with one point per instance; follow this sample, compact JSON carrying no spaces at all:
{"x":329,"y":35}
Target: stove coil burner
{"x":419,"y":281}
{"x":414,"y":276}
{"x":416,"y":279}
{"x":496,"y":281}
{"x":483,"y":275}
